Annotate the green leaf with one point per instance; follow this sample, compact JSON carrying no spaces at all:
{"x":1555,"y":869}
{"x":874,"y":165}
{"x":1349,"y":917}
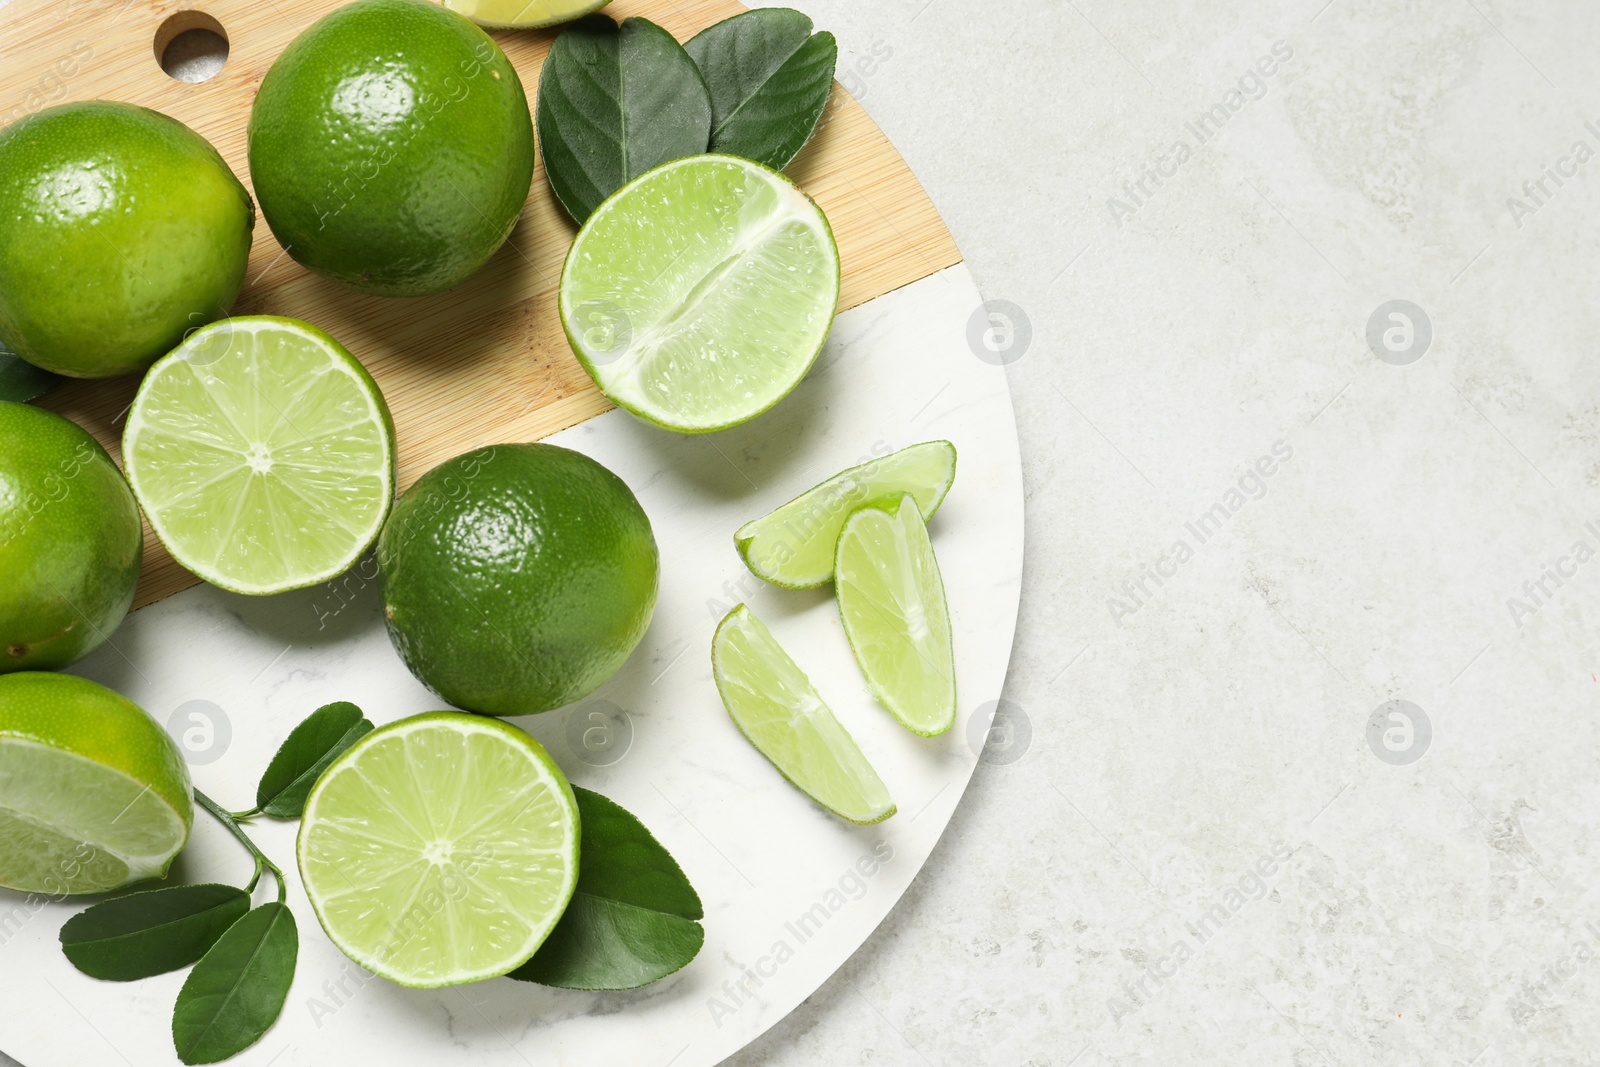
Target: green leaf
{"x":769,"y":77}
{"x":22,"y":381}
{"x":237,"y":989}
{"x":613,"y":103}
{"x":159,"y":930}
{"x":305,"y":754}
{"x":634,"y":918}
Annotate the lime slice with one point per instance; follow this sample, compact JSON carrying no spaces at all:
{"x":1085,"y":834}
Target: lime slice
{"x":522,"y":14}
{"x":440,"y":849}
{"x":793,"y":545}
{"x":93,"y":793}
{"x":891,"y":601}
{"x":774,"y":704}
{"x":262,"y":454}
{"x":700,"y":293}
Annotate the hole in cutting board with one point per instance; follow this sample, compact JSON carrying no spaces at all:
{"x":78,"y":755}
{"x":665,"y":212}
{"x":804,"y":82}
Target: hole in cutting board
{"x":191,"y":46}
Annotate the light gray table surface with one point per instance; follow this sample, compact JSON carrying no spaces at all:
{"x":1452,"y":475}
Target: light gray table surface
{"x":1200,"y":856}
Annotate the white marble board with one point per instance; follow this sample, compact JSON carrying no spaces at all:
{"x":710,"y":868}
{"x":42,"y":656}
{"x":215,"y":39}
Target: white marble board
{"x":790,"y":891}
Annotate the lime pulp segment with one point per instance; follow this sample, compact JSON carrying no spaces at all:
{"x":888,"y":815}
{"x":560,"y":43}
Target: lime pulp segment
{"x":793,"y":545}
{"x":775,"y":705}
{"x":700,"y":293}
{"x":892,"y":605}
{"x":440,"y":849}
{"x":262,"y":454}
{"x":522,"y":14}
{"x":71,"y":825}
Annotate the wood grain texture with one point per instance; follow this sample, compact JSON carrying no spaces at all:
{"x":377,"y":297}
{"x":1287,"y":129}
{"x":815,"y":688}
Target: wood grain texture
{"x":486,"y":362}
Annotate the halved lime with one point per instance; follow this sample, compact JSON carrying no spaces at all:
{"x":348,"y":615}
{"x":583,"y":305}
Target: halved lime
{"x":262,"y":454}
{"x":440,"y":849}
{"x":891,"y":602}
{"x":93,"y":793}
{"x":775,"y":705}
{"x":700,"y":293}
{"x":793,"y":545}
{"x":522,"y":14}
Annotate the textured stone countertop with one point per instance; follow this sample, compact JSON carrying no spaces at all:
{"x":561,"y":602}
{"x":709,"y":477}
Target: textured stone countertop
{"x":1261,"y":508}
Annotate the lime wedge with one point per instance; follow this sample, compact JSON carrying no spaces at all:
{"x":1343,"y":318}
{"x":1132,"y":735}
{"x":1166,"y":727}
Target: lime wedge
{"x":262,"y":454}
{"x":440,"y":849}
{"x":891,"y":602}
{"x":793,"y":545}
{"x":522,"y":14}
{"x":700,"y":293}
{"x":93,"y":793}
{"x":774,"y":704}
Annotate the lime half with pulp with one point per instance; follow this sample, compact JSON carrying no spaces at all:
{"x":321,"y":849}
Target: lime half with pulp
{"x":793,"y":545}
{"x":93,"y":793}
{"x":891,"y":602}
{"x":262,"y":454}
{"x":775,"y":705}
{"x":440,"y":849}
{"x":700,"y":293}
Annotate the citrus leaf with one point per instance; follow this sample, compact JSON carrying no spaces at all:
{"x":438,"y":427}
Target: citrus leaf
{"x":634,"y":918}
{"x":769,"y":77}
{"x":236,"y":991}
{"x":22,"y":381}
{"x":604,"y":944}
{"x":615,"y":101}
{"x":305,"y":754}
{"x":159,"y":930}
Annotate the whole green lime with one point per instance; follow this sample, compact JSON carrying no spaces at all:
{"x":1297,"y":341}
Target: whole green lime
{"x":93,"y":792}
{"x":517,"y":578}
{"x":70,"y":542}
{"x":391,"y":147}
{"x":120,"y":229}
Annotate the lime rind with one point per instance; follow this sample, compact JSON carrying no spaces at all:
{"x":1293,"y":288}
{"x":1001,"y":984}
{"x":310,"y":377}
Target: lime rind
{"x":780,"y":712}
{"x":793,"y":545}
{"x":704,"y":322}
{"x":73,"y":825}
{"x":239,"y":400}
{"x":440,"y":849}
{"x":523,"y":14}
{"x":894,"y":613}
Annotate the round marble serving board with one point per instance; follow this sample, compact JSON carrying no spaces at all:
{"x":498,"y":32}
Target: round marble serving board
{"x":790,"y":891}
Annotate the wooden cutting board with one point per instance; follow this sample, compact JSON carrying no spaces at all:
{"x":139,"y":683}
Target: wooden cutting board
{"x":486,"y":362}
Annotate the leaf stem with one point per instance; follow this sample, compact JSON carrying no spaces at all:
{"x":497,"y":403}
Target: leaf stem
{"x":229,"y":820}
